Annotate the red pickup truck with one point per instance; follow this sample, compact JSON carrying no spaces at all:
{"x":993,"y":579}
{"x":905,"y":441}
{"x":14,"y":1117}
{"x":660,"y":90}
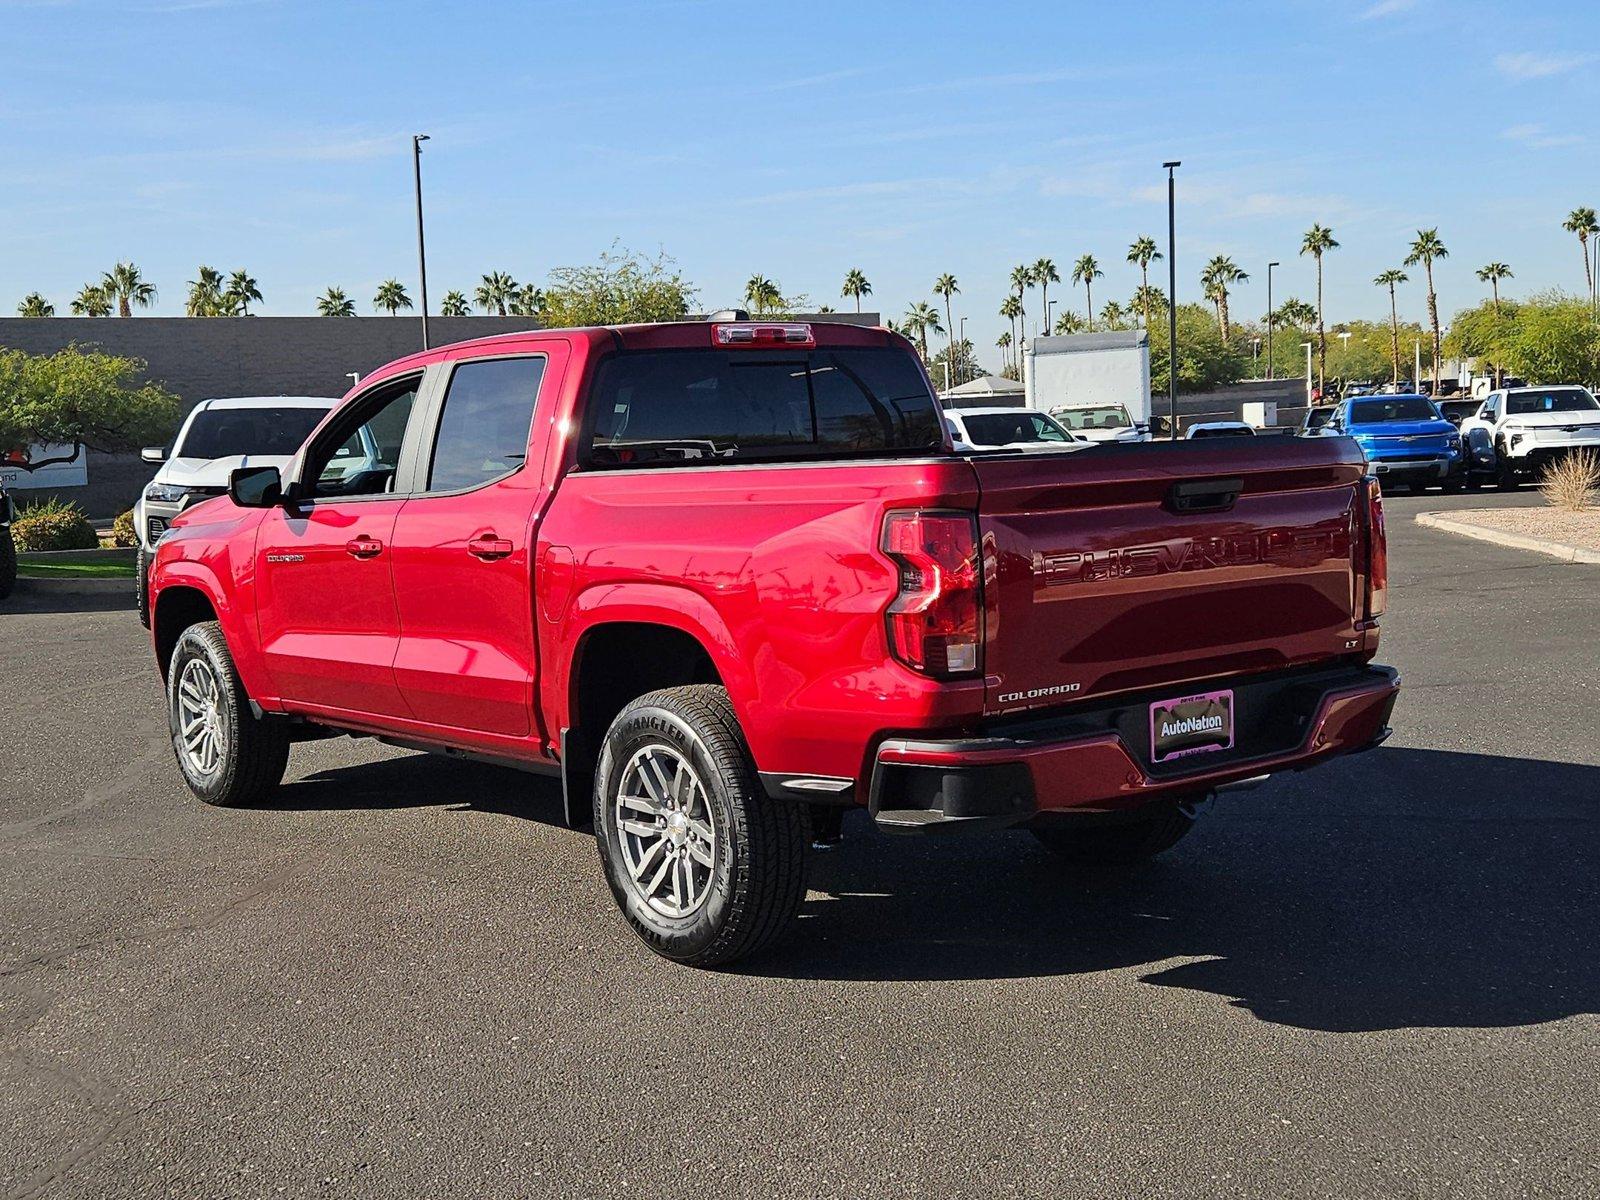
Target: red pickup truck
{"x":727,"y":579}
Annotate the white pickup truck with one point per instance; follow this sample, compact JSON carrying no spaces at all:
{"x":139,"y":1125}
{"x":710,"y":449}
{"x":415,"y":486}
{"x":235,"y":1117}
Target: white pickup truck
{"x":1516,"y":432}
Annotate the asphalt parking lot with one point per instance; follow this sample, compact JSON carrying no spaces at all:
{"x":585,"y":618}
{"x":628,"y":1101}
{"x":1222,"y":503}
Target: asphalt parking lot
{"x":405,"y":978}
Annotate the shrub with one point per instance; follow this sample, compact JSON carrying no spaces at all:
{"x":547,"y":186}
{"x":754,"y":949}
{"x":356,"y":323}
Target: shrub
{"x":52,"y":525}
{"x":1571,"y":482}
{"x":122,"y":533}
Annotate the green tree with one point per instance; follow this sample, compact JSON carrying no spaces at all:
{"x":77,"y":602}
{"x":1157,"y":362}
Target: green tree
{"x":1142,"y":253}
{"x":1390,"y":279}
{"x":494,"y":292}
{"x":1492,"y":274}
{"x":1426,"y":249}
{"x":963,"y":364}
{"x":1021,"y":281}
{"x":82,"y":399}
{"x":1554,"y":339}
{"x":622,"y":288}
{"x":1148,"y":302}
{"x":35,"y":305}
{"x":528,"y":301}
{"x":856,"y":286}
{"x":1003,"y":344}
{"x":125,"y":285}
{"x":205,"y":294}
{"x":1582,"y":222}
{"x":1011,"y":309}
{"x":1044,"y":273}
{"x":391,"y":297}
{"x":1317,"y":242}
{"x":334,"y":303}
{"x":91,"y":301}
{"x":454,"y":304}
{"x":1205,"y":360}
{"x":1219,"y":275}
{"x":243,"y":291}
{"x":1113,"y":316}
{"x":946,"y":286}
{"x":763,"y":295}
{"x":921,"y":319}
{"x":1085,"y":271}
{"x":1070,"y":322}
{"x":1295,"y":314}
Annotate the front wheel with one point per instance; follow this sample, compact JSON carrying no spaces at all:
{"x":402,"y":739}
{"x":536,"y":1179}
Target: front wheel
{"x":1118,"y":846}
{"x":705,"y":866}
{"x":1504,"y":476}
{"x":229,"y":757}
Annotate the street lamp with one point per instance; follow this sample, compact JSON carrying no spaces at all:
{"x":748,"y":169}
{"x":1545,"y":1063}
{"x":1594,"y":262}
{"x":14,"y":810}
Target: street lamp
{"x":1270,"y":265}
{"x":1172,"y":298}
{"x":1306,"y":346}
{"x":422,"y":255}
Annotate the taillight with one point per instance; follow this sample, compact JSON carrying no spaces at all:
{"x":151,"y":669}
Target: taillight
{"x":760,"y":333}
{"x":1377,"y":553}
{"x":936,"y":619}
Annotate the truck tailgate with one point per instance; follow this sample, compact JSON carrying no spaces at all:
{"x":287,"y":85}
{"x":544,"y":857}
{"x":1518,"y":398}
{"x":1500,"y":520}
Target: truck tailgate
{"x":1139,"y":566}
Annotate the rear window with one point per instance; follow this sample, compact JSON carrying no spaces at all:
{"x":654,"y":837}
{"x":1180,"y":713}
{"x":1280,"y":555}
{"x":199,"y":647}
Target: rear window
{"x":225,"y":432}
{"x":672,"y":407}
{"x":1001,"y":429}
{"x":1400,"y":408}
{"x":1550,"y":400}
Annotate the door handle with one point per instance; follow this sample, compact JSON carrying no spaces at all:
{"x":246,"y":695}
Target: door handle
{"x":363,"y":547}
{"x":488,"y":547}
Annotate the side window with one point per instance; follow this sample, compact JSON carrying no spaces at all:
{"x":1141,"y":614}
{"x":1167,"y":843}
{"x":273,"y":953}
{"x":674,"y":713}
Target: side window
{"x":483,"y":431}
{"x":359,"y":454}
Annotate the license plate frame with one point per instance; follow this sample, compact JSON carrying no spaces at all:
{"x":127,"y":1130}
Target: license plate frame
{"x":1182,"y":727}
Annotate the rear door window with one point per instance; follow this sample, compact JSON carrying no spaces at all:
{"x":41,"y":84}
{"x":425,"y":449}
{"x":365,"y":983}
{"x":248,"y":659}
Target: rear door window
{"x":676,"y":407}
{"x":483,"y":430}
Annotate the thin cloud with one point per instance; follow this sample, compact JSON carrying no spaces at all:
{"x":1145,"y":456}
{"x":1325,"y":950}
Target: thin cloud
{"x":1531,"y":65}
{"x":1535,"y":137}
{"x":1387,"y":8}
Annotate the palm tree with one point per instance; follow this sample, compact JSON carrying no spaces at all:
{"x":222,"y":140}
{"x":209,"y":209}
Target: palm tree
{"x":762,"y":294}
{"x":205,"y":294}
{"x":1069,"y":322}
{"x":1219,"y":274}
{"x":1389,"y":279}
{"x":1086,"y":271}
{"x":1113,"y":315}
{"x":1317,"y":242}
{"x":1492,"y":274}
{"x":1294,"y":314}
{"x":920,"y":318}
{"x":1044,"y":274}
{"x":91,"y":301}
{"x":1581,"y":221}
{"x":495,"y":292}
{"x":1004,"y":344}
{"x":1022,"y":280}
{"x":454,"y":304}
{"x":856,"y":286}
{"x":1143,"y":252}
{"x":35,"y":305}
{"x":391,"y":297}
{"x":527,"y":301}
{"x":1148,"y":300}
{"x":241,"y":294}
{"x":1425,"y":249}
{"x":1012,"y":311}
{"x":124,"y":284}
{"x":946,"y":286}
{"x":333,"y":303}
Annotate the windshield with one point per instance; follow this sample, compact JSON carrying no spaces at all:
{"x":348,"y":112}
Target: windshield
{"x":1550,"y":400}
{"x":1398,"y":408}
{"x":1001,"y":429}
{"x":225,"y":432}
{"x":1316,"y":418}
{"x":1101,"y":416}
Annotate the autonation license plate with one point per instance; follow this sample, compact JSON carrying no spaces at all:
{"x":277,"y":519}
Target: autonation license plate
{"x":1191,"y":725}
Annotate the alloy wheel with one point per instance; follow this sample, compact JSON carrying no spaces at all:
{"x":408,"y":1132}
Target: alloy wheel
{"x":665,"y":830}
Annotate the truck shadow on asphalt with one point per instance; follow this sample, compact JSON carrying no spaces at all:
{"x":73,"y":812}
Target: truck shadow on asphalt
{"x":1399,"y":888}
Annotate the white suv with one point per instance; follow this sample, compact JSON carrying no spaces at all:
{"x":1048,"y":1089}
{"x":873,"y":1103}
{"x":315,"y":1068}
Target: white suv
{"x":1517,"y":431}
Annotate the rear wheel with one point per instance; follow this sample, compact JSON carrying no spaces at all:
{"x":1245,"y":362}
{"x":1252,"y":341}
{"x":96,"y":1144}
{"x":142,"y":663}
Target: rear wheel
{"x":228,"y":755}
{"x":1122,"y":845}
{"x":705,"y":866}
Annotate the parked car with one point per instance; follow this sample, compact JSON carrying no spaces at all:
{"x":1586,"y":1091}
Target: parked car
{"x":1312,"y":423}
{"x":1456,"y":411}
{"x":728,"y":579}
{"x":1404,"y":438}
{"x":1100,"y":423}
{"x":1005,"y":429}
{"x":217,"y":437}
{"x":8,"y":545}
{"x":1210,"y":429}
{"x":1516,"y":432}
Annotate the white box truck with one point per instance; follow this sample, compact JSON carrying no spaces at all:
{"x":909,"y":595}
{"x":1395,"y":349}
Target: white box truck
{"x":1096,"y":384}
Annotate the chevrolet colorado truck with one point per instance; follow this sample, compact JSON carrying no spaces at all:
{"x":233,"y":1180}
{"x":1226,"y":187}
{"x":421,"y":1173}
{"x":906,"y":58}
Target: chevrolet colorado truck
{"x":729,"y":579}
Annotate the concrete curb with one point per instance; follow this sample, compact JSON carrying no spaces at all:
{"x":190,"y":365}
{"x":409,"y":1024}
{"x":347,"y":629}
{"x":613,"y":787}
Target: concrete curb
{"x":75,"y":587}
{"x":1561,"y":550}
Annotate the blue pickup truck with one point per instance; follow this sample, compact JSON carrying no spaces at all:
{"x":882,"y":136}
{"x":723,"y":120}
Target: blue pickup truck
{"x":1405,"y":439}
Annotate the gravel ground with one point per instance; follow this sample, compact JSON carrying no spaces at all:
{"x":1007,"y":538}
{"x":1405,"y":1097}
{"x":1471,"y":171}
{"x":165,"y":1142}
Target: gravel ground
{"x":1581,"y":529}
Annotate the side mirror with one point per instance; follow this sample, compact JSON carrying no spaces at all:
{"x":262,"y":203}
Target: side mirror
{"x":255,"y":487}
{"x":154,"y":454}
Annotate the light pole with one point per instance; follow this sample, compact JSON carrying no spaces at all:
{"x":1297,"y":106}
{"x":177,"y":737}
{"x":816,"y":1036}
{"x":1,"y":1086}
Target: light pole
{"x":1344,"y":353}
{"x":422,"y":255}
{"x":1172,"y":298}
{"x":1416,"y":365}
{"x":1048,"y":310}
{"x":1306,"y":346}
{"x":1270,"y":265}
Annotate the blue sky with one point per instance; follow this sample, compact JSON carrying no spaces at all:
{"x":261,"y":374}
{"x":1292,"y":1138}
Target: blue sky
{"x":794,"y":139}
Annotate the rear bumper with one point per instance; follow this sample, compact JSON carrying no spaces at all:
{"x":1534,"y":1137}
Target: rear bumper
{"x":1091,"y":761}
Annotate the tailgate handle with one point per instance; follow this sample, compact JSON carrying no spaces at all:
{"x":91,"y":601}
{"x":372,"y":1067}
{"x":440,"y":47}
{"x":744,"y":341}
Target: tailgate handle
{"x":1204,"y":495}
